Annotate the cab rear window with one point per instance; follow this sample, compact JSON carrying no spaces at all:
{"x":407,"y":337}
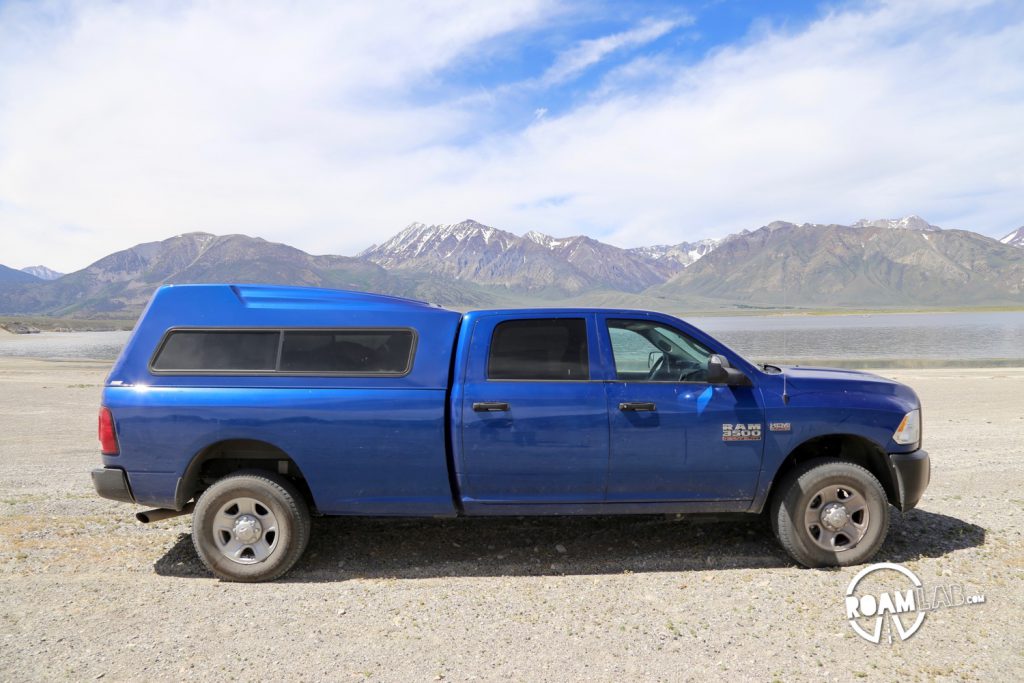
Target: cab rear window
{"x":382,"y":352}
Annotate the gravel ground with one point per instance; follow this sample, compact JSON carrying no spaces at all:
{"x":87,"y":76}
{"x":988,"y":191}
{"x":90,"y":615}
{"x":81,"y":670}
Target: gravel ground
{"x":87,"y":593}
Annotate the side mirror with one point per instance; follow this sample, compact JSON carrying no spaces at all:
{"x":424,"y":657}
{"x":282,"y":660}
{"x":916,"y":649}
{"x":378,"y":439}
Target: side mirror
{"x":720,"y":372}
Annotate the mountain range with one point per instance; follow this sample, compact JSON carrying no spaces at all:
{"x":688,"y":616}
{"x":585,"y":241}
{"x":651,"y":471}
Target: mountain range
{"x":535,"y":263}
{"x":870,"y":265}
{"x":878,"y":263}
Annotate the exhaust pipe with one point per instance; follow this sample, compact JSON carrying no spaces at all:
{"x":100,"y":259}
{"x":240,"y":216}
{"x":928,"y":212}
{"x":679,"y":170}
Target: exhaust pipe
{"x":147,"y":516}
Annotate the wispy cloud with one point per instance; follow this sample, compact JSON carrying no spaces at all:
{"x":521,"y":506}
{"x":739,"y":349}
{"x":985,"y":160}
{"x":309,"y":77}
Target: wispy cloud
{"x":587,"y":53}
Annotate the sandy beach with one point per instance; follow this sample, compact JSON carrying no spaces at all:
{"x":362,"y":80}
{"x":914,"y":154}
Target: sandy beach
{"x":86,"y":592}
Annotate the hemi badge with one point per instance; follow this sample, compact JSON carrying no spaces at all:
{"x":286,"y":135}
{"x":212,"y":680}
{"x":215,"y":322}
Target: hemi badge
{"x":779,"y":427}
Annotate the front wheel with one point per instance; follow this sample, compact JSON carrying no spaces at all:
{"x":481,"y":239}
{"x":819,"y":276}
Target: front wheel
{"x":250,"y":526}
{"x":830,"y":513}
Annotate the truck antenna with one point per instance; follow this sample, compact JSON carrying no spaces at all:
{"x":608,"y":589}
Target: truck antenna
{"x":785,"y":331}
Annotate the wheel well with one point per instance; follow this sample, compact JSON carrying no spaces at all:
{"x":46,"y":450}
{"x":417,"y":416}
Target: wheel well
{"x":224,"y":457}
{"x":848,"y":447}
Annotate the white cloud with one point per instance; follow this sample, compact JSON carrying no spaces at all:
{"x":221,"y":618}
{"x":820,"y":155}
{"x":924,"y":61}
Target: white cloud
{"x":137,"y":121}
{"x":302,"y":125}
{"x":586,"y":53}
{"x":895,"y":109}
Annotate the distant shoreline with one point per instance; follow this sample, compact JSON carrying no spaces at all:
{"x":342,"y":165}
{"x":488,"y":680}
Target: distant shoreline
{"x":48,"y":324}
{"x":868,"y":364}
{"x":878,"y":366}
{"x":52,"y":324}
{"x":825,"y":312}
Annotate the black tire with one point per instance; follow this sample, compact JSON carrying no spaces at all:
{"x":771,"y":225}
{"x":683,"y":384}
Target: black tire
{"x":275,"y":502}
{"x":793,"y":507}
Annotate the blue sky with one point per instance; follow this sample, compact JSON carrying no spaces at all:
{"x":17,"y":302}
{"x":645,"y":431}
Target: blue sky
{"x":684,"y":33}
{"x":333,"y":125}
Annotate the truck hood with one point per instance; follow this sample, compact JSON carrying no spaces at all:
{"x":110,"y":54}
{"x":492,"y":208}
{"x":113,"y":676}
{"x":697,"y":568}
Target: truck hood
{"x":800,"y":372}
{"x":811,"y":380}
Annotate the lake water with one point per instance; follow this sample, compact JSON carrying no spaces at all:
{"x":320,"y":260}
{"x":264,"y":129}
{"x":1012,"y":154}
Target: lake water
{"x":850,"y":340}
{"x":64,"y":345}
{"x":893,"y":338}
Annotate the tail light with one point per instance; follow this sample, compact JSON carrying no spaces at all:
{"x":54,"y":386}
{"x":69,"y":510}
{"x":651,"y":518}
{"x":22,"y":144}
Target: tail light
{"x":108,"y":437}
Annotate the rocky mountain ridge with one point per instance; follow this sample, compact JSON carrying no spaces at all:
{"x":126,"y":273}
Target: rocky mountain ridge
{"x":885,"y":262}
{"x":535,"y":263}
{"x":866,"y":265}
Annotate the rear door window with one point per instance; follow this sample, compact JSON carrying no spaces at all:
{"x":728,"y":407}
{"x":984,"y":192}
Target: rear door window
{"x":540,"y":349}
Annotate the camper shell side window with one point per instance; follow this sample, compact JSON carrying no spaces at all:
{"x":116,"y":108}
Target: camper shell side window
{"x":346,"y":352}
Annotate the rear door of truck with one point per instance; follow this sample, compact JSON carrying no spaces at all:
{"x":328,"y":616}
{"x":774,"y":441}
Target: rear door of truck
{"x":534,"y":420}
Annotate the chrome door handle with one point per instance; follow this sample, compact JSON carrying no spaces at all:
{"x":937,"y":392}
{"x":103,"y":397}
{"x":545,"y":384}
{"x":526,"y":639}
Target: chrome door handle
{"x":637,"y":406}
{"x":490,"y":407}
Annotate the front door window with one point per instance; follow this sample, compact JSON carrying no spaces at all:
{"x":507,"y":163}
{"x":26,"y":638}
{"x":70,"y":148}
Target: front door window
{"x":647,"y":351}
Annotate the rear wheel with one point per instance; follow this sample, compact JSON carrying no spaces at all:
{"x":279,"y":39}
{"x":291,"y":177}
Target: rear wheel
{"x":250,"y":526}
{"x":830,"y":513}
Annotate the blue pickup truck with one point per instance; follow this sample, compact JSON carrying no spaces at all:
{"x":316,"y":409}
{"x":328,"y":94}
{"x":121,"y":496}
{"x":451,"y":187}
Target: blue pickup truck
{"x":254,"y":406}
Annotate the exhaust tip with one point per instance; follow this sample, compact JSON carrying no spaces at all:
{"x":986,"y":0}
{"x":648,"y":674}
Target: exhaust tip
{"x":147,"y":516}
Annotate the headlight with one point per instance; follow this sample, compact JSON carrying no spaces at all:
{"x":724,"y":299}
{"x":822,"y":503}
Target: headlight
{"x":909,"y":431}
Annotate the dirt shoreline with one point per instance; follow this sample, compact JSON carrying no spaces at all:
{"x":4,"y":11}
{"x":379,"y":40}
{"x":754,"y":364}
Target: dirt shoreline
{"x":85,"y":591}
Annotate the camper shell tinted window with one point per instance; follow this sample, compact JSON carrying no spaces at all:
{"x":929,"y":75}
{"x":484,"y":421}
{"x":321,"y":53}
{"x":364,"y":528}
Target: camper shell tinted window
{"x":377,"y":352}
{"x":350,"y":352}
{"x":213,"y":350}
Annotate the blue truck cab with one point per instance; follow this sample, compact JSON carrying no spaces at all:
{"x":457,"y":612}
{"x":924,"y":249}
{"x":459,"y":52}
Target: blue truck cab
{"x":253,"y":407}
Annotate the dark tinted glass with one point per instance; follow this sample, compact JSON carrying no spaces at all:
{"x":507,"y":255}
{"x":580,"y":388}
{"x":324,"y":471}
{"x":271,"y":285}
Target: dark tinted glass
{"x":539,"y":349}
{"x":218,"y":350}
{"x":348,"y":351}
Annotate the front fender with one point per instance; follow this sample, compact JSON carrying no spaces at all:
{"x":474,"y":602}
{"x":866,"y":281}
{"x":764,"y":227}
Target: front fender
{"x":869,"y":411}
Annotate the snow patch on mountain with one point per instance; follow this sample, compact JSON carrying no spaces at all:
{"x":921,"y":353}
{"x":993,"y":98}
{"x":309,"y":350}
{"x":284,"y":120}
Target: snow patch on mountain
{"x":42,"y":272}
{"x":906,"y":223}
{"x":419,"y":239}
{"x":1015,"y":238}
{"x":684,"y":253}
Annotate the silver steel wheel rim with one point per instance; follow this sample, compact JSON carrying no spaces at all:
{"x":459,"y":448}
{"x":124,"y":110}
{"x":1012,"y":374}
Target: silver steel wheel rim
{"x":245,"y":531}
{"x":837,"y":517}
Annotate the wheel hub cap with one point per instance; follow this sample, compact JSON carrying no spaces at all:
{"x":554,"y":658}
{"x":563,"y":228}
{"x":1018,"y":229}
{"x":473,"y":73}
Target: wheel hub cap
{"x":247,"y":529}
{"x":834,"y":516}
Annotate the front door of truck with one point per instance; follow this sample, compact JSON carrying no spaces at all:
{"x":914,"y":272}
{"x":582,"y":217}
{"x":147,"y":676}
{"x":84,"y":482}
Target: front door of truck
{"x":534,"y":423}
{"x":674,"y":437}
